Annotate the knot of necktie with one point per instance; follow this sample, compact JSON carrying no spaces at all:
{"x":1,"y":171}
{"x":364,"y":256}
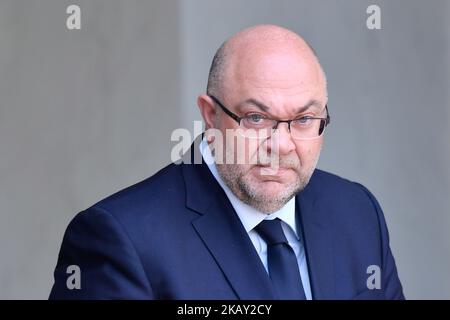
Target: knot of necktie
{"x":271,"y":231}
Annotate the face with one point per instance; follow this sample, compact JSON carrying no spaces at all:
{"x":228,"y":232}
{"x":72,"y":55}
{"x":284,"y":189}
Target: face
{"x":275,"y":85}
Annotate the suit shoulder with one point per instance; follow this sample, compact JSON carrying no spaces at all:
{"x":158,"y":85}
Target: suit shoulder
{"x":330,"y":179}
{"x":326,"y":182}
{"x":157,"y":191}
{"x":349,"y":199}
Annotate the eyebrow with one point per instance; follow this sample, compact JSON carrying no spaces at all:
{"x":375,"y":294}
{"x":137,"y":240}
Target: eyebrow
{"x":311,"y":103}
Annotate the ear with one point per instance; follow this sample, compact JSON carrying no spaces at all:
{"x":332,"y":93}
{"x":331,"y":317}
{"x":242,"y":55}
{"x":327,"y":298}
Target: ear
{"x":207,"y":109}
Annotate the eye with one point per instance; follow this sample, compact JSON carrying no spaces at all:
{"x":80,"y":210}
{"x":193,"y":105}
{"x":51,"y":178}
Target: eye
{"x":255,"y":118}
{"x":304,"y":120}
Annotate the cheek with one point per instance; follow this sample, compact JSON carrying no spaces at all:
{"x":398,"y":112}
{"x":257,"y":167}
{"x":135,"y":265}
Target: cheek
{"x":239,"y":149}
{"x":226,"y":128}
{"x":308,"y":151}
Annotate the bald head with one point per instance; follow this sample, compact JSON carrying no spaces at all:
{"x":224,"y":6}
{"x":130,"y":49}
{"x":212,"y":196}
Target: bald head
{"x":254,"y":49}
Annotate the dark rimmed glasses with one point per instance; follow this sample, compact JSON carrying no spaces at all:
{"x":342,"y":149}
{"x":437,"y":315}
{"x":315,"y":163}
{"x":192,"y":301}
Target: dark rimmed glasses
{"x":259,"y":126}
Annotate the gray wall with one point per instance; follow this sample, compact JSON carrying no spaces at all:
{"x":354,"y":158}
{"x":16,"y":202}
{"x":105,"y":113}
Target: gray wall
{"x":85,"y":113}
{"x":82,"y":114}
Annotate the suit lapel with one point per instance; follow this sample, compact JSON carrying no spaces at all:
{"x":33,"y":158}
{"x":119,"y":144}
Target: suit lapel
{"x":223,"y":234}
{"x":228,"y":242}
{"x":314,"y":224}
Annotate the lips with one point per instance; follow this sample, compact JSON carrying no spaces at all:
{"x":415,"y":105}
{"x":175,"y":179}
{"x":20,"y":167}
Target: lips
{"x":273,"y":171}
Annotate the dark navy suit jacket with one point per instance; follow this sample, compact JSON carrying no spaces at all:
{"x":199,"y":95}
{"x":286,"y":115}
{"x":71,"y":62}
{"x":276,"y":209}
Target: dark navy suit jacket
{"x":177,"y":236}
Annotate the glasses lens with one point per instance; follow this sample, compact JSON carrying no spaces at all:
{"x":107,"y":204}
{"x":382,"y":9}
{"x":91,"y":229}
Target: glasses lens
{"x":307,"y":129}
{"x":303,"y":129}
{"x":256,"y":134}
{"x":257,"y":128}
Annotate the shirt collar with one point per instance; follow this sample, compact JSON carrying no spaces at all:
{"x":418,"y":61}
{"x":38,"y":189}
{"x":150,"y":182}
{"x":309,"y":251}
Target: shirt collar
{"x":249,"y":216}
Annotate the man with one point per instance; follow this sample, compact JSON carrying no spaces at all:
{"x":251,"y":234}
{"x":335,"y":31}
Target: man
{"x":270,"y":227}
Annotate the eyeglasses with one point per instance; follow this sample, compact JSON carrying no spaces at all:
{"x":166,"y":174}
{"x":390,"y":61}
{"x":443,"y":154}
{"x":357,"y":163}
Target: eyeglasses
{"x":259,"y":126}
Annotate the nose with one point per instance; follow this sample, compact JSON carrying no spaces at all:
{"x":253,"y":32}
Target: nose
{"x":282,"y":142}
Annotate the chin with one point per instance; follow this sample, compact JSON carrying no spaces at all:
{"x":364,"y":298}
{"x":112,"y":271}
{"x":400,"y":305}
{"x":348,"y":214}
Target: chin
{"x":273,"y":189}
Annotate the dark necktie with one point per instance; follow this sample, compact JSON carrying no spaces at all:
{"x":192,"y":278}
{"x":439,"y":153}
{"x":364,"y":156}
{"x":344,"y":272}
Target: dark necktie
{"x":282,"y":262}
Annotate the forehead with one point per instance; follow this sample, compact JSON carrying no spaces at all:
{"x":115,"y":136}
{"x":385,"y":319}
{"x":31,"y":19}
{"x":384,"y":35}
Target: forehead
{"x":280,"y":75}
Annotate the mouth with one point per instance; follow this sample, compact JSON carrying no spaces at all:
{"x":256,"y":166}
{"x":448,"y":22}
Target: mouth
{"x":272,"y":172}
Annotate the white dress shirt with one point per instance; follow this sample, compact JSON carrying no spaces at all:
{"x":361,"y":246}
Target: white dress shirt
{"x":251,"y":217}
